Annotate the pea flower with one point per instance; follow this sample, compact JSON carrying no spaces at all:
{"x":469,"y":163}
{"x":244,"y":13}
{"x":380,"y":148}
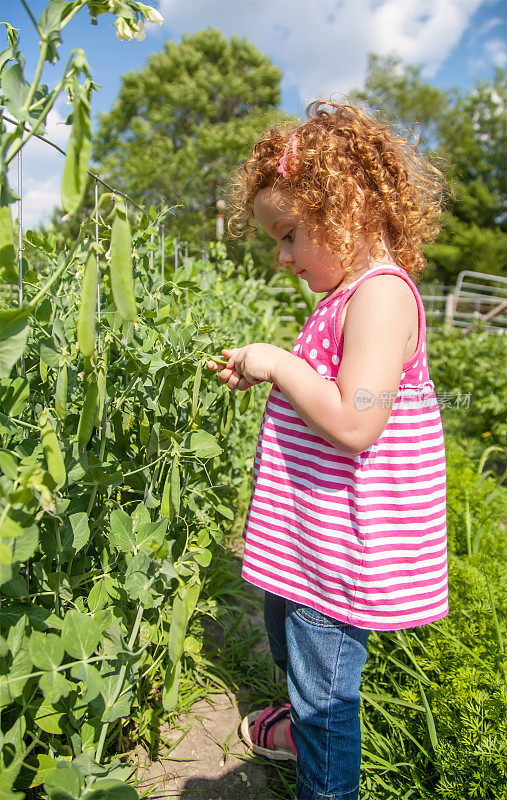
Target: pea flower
{"x":152,"y":15}
{"x":123,"y":30}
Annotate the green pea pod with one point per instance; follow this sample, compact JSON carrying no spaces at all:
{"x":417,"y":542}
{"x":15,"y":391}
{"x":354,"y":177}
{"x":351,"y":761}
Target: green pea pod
{"x":171,"y":686}
{"x":8,"y":270}
{"x":184,"y":604}
{"x":246,"y":401}
{"x":144,"y":428}
{"x":195,"y":393}
{"x":52,"y":452}
{"x":88,"y":307}
{"x":227,"y":417}
{"x":120,"y":266}
{"x":61,"y":390}
{"x":88,"y":413}
{"x":165,"y":503}
{"x":175,"y":486}
{"x":75,"y":174}
{"x":101,"y":397}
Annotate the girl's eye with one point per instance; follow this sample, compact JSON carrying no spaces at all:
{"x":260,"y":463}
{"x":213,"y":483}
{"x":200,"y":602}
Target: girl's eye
{"x":289,"y":236}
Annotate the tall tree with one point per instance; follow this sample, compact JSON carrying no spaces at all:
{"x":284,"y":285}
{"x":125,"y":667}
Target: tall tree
{"x":465,"y":135}
{"x":182,"y":123}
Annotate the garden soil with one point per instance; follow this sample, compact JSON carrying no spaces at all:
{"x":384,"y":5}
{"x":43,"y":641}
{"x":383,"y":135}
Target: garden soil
{"x":199,"y":767}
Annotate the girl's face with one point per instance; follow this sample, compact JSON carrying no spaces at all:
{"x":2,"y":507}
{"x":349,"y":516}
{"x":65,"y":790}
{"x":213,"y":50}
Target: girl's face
{"x":317,"y":265}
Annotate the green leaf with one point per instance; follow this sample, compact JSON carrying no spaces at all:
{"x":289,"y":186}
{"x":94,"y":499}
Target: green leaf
{"x":48,"y":718}
{"x":13,"y":333}
{"x":121,"y":531}
{"x":20,"y":547}
{"x":137,"y":578}
{"x":91,"y":677}
{"x":8,"y":270}
{"x":64,"y":778}
{"x":203,"y":444}
{"x":14,"y":396}
{"x":108,"y":789}
{"x":108,"y":706}
{"x":15,"y":91}
{"x":46,"y":765}
{"x":80,"y":634}
{"x":80,"y":530}
{"x":151,"y":534}
{"x":11,"y":685}
{"x":46,"y":650}
{"x":54,"y":686}
{"x":9,"y":527}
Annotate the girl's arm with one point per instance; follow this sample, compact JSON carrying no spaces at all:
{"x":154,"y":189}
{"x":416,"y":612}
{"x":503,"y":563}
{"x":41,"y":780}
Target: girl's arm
{"x":350,"y":413}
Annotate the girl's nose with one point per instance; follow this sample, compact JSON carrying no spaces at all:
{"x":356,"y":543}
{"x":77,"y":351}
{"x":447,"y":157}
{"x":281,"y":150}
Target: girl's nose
{"x":285,"y":257}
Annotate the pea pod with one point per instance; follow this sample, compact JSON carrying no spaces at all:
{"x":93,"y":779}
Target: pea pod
{"x":144,"y":428}
{"x":184,"y":604}
{"x":120,"y":267}
{"x":52,"y":452}
{"x":175,"y":486}
{"x":88,"y":307}
{"x":165,"y":503}
{"x":75,"y":175}
{"x":171,"y":686}
{"x":101,"y":397}
{"x":61,"y":390}
{"x":195,"y":393}
{"x":88,"y":413}
{"x":227,"y":417}
{"x":246,"y":401}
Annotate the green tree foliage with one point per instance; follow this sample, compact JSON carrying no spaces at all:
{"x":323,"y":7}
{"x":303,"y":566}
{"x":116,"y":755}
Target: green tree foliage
{"x":466,"y":135}
{"x":182,"y":123}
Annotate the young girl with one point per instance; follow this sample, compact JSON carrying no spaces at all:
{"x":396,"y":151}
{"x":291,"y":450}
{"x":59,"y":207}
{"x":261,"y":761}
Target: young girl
{"x":346,"y":525}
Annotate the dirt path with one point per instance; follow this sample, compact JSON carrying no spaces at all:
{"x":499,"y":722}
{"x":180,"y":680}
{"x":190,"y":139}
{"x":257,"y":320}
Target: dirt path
{"x":210,"y":762}
{"x":199,"y":767}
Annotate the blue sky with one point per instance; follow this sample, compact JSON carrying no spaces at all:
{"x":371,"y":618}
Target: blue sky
{"x":321,"y":46}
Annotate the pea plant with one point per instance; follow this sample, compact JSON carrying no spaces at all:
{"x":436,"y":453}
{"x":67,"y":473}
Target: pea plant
{"x":117,"y":479}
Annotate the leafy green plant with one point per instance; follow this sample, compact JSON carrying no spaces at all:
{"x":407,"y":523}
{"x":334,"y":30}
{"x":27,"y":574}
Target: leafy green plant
{"x":116,"y":480}
{"x":471,"y":364}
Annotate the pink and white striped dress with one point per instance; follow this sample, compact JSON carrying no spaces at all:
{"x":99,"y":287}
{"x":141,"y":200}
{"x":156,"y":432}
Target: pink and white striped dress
{"x":360,"y":538}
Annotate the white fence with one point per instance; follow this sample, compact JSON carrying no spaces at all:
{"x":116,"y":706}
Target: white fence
{"x":476,"y":297}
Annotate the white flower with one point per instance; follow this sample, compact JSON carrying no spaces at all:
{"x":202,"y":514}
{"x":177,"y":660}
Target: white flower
{"x":123,"y":30}
{"x":152,"y":15}
{"x":139,"y":30}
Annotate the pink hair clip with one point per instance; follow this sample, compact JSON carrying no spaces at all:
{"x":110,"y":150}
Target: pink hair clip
{"x":284,"y":160}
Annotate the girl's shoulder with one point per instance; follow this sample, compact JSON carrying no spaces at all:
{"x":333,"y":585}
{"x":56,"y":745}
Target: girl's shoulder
{"x":384,"y":285}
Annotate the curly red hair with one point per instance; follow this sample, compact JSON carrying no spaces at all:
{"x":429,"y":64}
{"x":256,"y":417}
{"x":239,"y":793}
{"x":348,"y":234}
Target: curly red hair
{"x":341,"y":149}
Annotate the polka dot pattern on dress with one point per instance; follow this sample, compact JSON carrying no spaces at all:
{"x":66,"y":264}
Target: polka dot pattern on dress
{"x":320,"y":343}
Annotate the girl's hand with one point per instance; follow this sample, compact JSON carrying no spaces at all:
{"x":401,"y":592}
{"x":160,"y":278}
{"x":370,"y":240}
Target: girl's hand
{"x":249,"y":365}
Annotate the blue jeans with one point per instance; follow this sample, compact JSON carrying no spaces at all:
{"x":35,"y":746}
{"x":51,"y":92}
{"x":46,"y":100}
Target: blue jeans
{"x":323,"y":660}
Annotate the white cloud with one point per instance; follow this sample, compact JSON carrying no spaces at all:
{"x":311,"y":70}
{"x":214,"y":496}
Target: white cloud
{"x":496,"y":52}
{"x":322,"y":45}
